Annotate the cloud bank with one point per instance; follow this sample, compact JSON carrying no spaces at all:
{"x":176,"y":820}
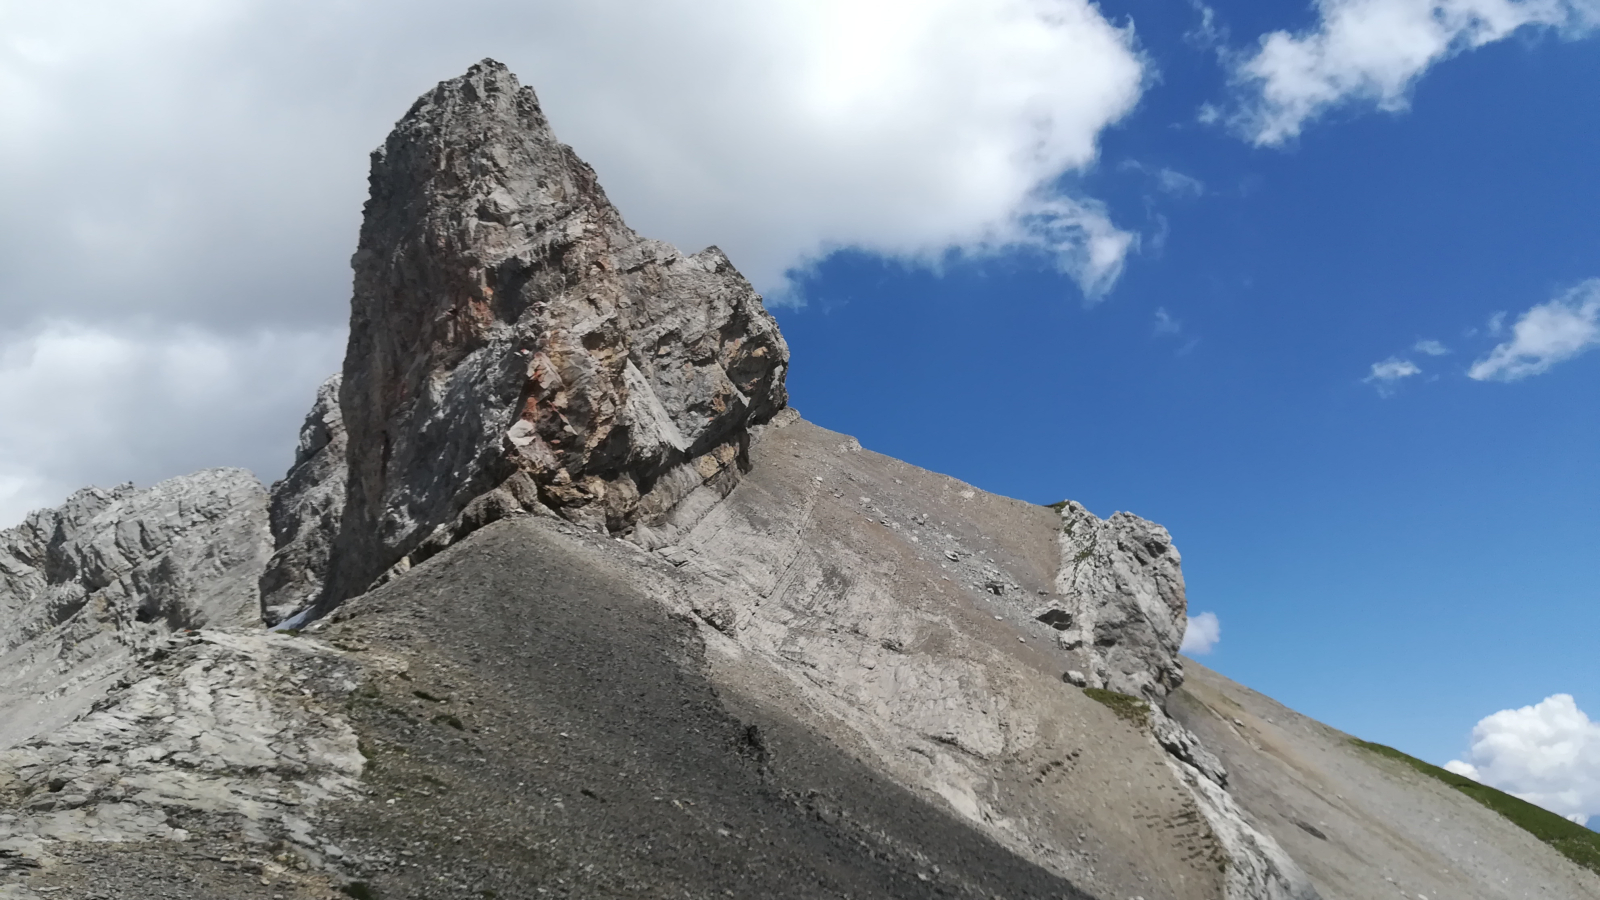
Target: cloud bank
{"x":1201,"y":635}
{"x":171,"y":168}
{"x":1371,"y":53}
{"x":1547,"y":754}
{"x":1545,"y":335}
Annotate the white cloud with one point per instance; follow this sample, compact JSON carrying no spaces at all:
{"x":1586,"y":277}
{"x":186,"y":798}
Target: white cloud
{"x":1431,"y":348}
{"x":1385,"y":375}
{"x":1207,"y":34}
{"x":84,"y":406}
{"x":1373,"y":51}
{"x":1547,"y":754}
{"x":235,"y":135}
{"x":1545,"y":335}
{"x":1201,"y":635}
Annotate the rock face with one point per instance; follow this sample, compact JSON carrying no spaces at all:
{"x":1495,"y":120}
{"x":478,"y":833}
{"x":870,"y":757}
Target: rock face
{"x":244,"y":729}
{"x":509,"y":331}
{"x":84,"y":586}
{"x":1122,"y":609}
{"x":305,"y":512}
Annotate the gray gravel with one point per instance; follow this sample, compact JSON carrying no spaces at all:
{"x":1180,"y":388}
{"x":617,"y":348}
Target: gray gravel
{"x":556,"y":736}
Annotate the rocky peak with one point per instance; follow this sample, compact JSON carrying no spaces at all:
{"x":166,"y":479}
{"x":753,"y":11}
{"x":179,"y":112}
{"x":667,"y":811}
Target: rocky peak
{"x":512,"y":338}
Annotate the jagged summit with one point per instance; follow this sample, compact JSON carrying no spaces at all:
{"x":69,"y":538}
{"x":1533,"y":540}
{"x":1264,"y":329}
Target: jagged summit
{"x":509,"y":332}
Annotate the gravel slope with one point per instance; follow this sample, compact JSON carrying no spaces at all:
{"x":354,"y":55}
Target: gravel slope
{"x":555,"y":733}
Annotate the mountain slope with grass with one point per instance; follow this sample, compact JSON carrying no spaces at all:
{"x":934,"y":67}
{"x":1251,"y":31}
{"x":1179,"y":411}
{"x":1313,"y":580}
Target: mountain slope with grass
{"x":1367,"y":821}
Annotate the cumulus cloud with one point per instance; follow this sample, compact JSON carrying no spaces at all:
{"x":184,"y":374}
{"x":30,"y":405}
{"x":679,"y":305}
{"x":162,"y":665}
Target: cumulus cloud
{"x":174,"y":164}
{"x":88,"y":406}
{"x":1385,"y":375}
{"x":235,"y":135}
{"x":1547,"y":754}
{"x":1431,"y":348}
{"x":1371,"y":52}
{"x":1544,"y":335}
{"x":1201,"y":635}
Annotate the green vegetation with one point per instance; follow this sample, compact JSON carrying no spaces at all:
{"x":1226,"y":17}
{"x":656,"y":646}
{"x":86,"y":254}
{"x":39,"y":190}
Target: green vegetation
{"x":1572,"y":840}
{"x":1059,"y":505}
{"x":1131,"y":708}
{"x":360,"y":890}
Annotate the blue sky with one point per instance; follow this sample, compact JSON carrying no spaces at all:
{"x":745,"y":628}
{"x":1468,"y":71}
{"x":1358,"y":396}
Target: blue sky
{"x":1398,"y":566}
{"x":1148,"y":254}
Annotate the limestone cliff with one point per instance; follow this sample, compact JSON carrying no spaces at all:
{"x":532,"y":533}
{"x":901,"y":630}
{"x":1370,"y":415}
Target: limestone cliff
{"x":509,"y":331}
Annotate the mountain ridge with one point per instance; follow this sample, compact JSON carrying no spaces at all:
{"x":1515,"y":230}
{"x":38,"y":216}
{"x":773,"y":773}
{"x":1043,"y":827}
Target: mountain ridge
{"x":554,"y":526}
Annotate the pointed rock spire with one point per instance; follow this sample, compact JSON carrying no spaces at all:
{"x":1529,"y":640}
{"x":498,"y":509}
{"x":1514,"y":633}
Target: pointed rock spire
{"x":513,"y":343}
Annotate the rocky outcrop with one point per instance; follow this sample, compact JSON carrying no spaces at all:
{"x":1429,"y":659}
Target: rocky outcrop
{"x":306,"y":507}
{"x":1121,"y":610}
{"x":85,"y":586}
{"x":510,"y":333}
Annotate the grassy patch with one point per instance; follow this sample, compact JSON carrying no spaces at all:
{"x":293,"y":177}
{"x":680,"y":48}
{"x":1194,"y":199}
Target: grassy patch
{"x":1059,"y":505}
{"x":1572,"y":840}
{"x":1128,"y":707}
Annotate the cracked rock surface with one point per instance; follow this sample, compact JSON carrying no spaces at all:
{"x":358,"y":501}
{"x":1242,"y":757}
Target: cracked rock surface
{"x":213,"y":736}
{"x":87,"y":586}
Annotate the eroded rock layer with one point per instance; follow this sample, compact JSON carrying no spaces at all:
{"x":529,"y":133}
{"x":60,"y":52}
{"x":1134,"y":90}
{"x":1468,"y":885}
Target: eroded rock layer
{"x":86,"y":585}
{"x":509,"y":331}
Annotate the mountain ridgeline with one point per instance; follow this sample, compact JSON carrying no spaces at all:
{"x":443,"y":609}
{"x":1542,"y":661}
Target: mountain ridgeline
{"x":560,"y":598}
